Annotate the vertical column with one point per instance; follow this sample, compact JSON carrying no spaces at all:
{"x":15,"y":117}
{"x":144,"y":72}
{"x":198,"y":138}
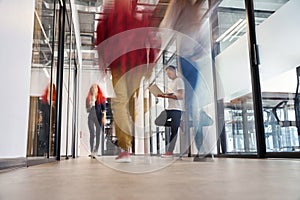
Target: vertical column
{"x":297,"y":103}
{"x":59,"y":79}
{"x":219,"y":104}
{"x":255,"y":80}
{"x":74,"y":120}
{"x":51,"y":148}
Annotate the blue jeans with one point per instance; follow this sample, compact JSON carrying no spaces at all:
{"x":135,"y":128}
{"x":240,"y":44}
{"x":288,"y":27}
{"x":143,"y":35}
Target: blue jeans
{"x":199,"y":139}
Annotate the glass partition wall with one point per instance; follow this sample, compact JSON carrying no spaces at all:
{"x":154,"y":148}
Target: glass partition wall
{"x":69,"y":88}
{"x":236,"y":122}
{"x":277,"y":35}
{"x":52,"y":26}
{"x":275,"y":29}
{"x":41,"y":134}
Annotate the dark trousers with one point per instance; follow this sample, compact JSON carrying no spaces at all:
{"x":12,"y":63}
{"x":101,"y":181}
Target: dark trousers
{"x":43,"y":136}
{"x":199,"y":138}
{"x":93,"y":123}
{"x":170,"y":118}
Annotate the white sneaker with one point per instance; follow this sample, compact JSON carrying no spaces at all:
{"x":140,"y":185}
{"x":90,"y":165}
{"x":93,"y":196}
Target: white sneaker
{"x":93,"y":155}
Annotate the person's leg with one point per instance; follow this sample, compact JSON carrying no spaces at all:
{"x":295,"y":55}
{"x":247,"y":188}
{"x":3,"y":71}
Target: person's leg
{"x":191,"y":75}
{"x":162,"y":119}
{"x":120,"y":110}
{"x":44,"y":135}
{"x":98,"y":134}
{"x":175,"y":123}
{"x":133,"y":81}
{"x":92,"y":131}
{"x":199,"y":139}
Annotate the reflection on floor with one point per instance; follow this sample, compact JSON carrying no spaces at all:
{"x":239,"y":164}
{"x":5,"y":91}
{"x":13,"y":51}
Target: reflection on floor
{"x":139,"y":164}
{"x":154,"y":178}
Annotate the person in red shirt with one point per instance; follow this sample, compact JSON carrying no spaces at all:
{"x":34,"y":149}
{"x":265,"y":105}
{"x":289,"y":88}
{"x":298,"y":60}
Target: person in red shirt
{"x":123,"y":45}
{"x":47,"y":108}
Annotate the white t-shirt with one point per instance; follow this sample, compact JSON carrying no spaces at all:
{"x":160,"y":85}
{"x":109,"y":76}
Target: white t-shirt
{"x":175,"y":85}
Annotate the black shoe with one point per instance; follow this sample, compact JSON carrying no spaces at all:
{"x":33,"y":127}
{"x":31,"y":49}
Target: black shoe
{"x":203,"y":159}
{"x":197,"y":158}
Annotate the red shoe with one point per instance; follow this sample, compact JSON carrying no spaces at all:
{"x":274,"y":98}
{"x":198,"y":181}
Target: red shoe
{"x":123,"y":157}
{"x":168,"y":154}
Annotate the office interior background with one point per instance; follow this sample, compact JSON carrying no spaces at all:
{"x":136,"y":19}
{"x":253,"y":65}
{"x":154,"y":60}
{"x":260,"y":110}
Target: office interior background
{"x":49,"y":42}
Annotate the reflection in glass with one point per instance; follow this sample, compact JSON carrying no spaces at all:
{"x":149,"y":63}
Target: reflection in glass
{"x":233,"y":79}
{"x":278,"y":73}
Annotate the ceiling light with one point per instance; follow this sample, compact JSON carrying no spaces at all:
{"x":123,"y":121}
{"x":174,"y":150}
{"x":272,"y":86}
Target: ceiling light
{"x":229,"y":30}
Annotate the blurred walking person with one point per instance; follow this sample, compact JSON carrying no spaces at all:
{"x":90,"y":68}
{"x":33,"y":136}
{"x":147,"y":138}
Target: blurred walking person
{"x":124,"y":47}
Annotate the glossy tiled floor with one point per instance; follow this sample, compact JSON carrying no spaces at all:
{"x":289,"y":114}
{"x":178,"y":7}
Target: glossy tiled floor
{"x":89,"y":179}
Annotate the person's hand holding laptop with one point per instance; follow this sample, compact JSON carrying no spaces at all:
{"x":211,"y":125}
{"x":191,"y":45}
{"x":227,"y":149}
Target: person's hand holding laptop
{"x":157,"y":92}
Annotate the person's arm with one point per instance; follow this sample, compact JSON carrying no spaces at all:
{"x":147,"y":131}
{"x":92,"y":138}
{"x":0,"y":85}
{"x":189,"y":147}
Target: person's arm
{"x":172,"y":14}
{"x":88,"y":103}
{"x":178,"y":96}
{"x":103,"y":108}
{"x":104,"y":118}
{"x":101,"y":35}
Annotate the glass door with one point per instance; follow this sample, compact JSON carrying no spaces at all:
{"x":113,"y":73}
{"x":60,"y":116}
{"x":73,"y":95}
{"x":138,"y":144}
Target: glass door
{"x":277,"y":36}
{"x":44,"y":85}
{"x":236,"y":121}
{"x":41,"y":132}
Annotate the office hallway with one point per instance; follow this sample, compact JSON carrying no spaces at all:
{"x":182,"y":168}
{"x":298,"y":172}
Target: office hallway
{"x":221,"y":178}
